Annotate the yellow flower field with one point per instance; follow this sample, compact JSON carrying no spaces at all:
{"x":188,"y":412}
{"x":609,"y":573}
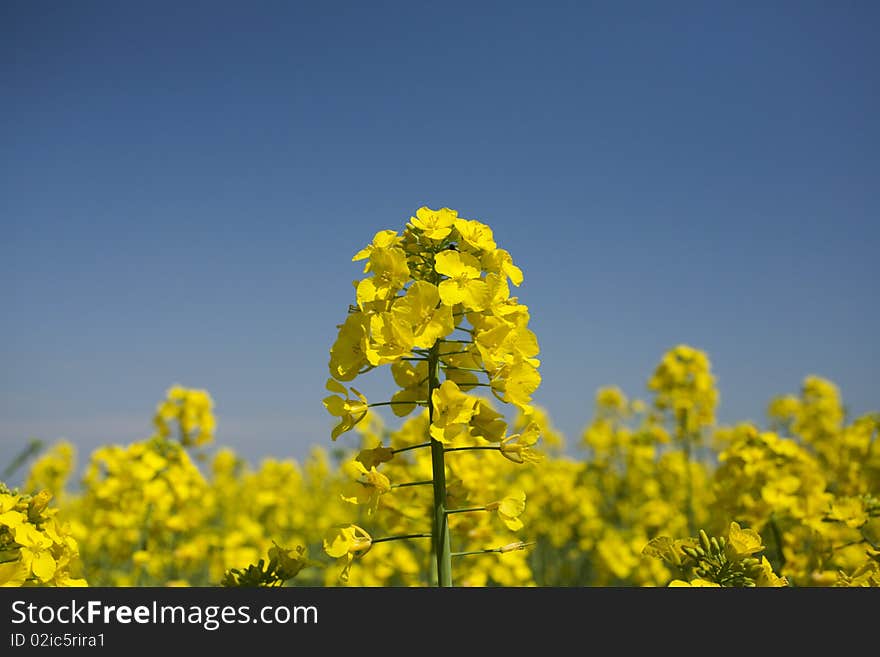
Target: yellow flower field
{"x":471,"y":484}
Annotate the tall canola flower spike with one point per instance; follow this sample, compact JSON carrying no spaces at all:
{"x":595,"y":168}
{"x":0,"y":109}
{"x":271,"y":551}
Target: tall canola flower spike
{"x":435,"y":306}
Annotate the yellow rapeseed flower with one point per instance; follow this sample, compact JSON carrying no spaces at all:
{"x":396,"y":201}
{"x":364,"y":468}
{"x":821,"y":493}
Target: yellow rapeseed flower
{"x":509,"y":509}
{"x":453,"y":410}
{"x":421,"y":310}
{"x":435,"y":224}
{"x":347,"y":542}
{"x":349,"y":411}
{"x":464,"y":284}
{"x":475,"y":234}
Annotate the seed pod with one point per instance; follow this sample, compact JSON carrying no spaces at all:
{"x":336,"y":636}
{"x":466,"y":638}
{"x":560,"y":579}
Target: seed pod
{"x":689,"y":552}
{"x":756,"y":570}
{"x":704,"y":541}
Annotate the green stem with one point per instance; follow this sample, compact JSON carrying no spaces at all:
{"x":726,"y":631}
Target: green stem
{"x":465,"y":369}
{"x":457,"y":341}
{"x":519,"y":546}
{"x":406,"y":449}
{"x":33,"y":447}
{"x":393,"y":403}
{"x":467,"y":554}
{"x":401,"y":537}
{"x":466,"y":449}
{"x":777,"y":537}
{"x":427,"y":482}
{"x":467,"y":510}
{"x":685,"y":438}
{"x":850,"y":544}
{"x":440,"y":530}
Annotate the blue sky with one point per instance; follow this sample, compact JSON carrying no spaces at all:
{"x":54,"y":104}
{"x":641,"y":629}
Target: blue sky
{"x":182,"y":187}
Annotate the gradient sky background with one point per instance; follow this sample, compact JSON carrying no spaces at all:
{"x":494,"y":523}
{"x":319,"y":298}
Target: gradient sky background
{"x":183,"y":184}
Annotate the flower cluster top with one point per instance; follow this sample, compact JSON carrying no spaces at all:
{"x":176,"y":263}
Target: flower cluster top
{"x":440,"y":288}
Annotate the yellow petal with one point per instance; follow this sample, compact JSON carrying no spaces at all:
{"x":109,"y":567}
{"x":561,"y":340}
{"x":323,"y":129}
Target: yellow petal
{"x":43,"y":566}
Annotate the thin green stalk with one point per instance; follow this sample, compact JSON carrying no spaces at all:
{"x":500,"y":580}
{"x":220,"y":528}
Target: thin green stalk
{"x":401,"y":537}
{"x":467,"y":449}
{"x":777,"y":537}
{"x":409,"y":447}
{"x":507,"y":548}
{"x":33,"y":447}
{"x":440,"y":529}
{"x":467,"y":510}
{"x":850,"y":544}
{"x":472,"y":552}
{"x":427,"y":482}
{"x":685,"y":438}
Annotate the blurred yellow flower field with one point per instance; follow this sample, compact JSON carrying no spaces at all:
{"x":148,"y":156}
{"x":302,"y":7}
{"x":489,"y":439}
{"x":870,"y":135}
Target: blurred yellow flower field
{"x":471,"y":485}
